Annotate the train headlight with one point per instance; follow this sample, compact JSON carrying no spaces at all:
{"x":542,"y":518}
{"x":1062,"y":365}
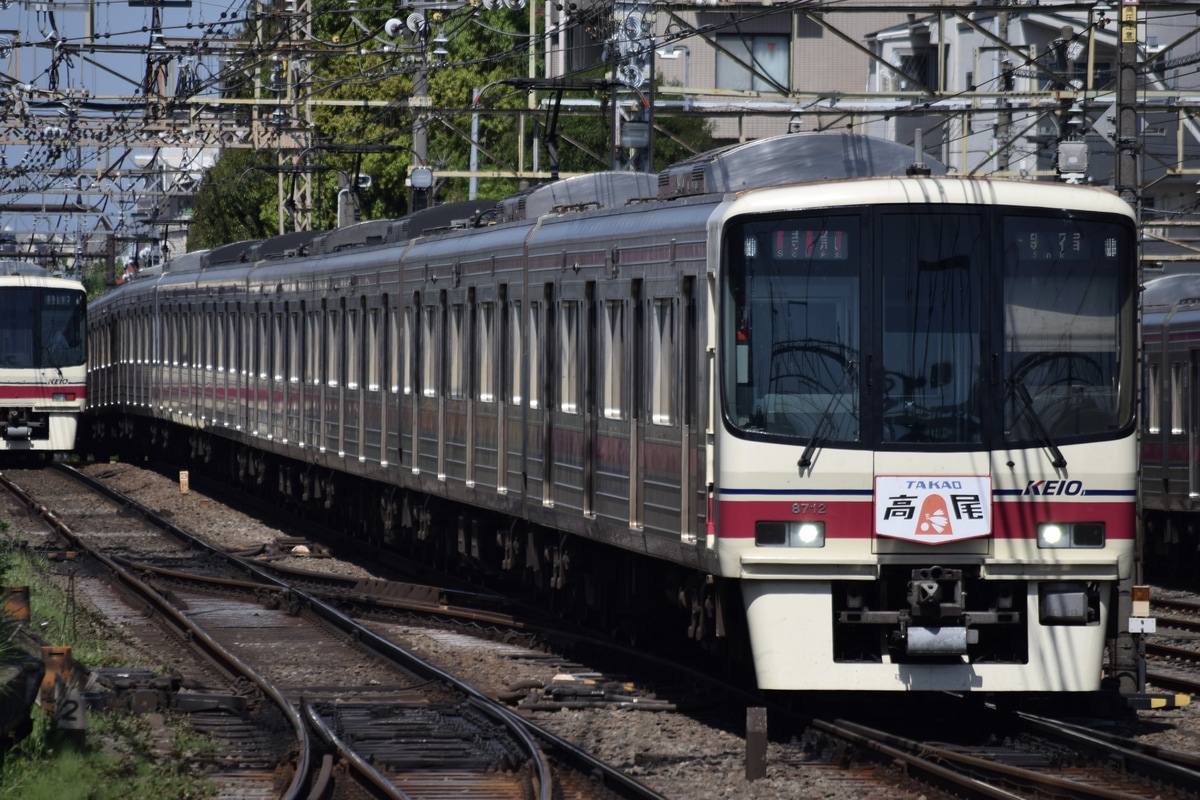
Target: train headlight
{"x":1059,"y":535}
{"x":63,"y":397}
{"x":799,"y":533}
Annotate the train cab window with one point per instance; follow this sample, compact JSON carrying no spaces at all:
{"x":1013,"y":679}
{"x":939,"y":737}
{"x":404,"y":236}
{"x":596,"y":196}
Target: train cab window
{"x":62,"y":330}
{"x":791,"y":324}
{"x":1067,"y":330}
{"x":487,"y":353}
{"x":931,"y":327}
{"x":663,"y":379}
{"x":1154,"y":408}
{"x":568,"y":341}
{"x":612,"y":368}
{"x":456,"y":354}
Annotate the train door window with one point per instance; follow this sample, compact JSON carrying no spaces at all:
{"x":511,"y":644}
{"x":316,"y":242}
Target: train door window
{"x":535,"y":355}
{"x":1154,"y":408}
{"x":429,"y":384}
{"x":374,"y":367}
{"x":353,"y":347}
{"x":204,"y":323}
{"x":218,"y":333}
{"x":278,"y":346}
{"x":456,"y":355}
{"x":263,"y":351}
{"x":394,"y":349}
{"x":662,"y":363}
{"x":1178,"y":393}
{"x":294,"y":346}
{"x":612,"y":357}
{"x":569,"y":358}
{"x":487,"y":353}
{"x":333,"y":346}
{"x":931,"y":328}
{"x":512,"y":347}
{"x":312,"y":367}
{"x":406,"y":366}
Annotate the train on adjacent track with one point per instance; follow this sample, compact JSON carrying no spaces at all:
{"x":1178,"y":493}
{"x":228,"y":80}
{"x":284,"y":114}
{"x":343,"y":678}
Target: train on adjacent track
{"x":871,"y":420}
{"x":43,"y":361}
{"x":1170,"y":424}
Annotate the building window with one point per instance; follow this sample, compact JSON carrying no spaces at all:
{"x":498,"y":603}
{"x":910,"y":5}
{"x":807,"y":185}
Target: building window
{"x":761,"y":63}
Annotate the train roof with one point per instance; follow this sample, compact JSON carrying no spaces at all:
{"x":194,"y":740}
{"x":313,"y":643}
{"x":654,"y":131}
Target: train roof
{"x":12,"y":266}
{"x":1170,"y":290}
{"x":579,"y":192}
{"x":783,"y":160}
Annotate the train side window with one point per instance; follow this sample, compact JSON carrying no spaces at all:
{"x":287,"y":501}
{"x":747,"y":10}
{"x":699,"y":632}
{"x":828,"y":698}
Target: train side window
{"x":535,"y":355}
{"x":457,"y":354}
{"x":512,"y":346}
{"x":569,"y":358}
{"x":487,"y":355}
{"x":662,"y":363}
{"x":1153,"y":409}
{"x":428,"y":354}
{"x":612,"y":369}
{"x":1178,"y":393}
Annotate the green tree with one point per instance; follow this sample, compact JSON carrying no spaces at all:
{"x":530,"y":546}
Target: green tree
{"x":368,"y":127}
{"x":237,"y":200}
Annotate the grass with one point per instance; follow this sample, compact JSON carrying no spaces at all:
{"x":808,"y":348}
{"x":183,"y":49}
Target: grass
{"x":123,"y":756}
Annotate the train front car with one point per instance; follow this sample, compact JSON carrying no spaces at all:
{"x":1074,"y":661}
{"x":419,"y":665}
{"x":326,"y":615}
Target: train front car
{"x":925,"y":470}
{"x":43,"y":358}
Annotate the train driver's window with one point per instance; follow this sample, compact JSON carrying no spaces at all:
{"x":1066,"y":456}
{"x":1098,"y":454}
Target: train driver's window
{"x":16,"y":328}
{"x":791,"y":327}
{"x":1065,"y":327}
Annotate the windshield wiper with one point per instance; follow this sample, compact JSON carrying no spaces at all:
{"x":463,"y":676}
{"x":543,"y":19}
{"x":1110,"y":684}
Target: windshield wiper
{"x":806,"y":457}
{"x":1022,"y":394}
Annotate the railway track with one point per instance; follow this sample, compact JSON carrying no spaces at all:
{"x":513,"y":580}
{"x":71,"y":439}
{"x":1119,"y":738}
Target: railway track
{"x":295,"y":647}
{"x":365,"y":720}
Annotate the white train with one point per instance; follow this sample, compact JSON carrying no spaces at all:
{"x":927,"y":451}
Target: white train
{"x":875,"y":423}
{"x":43,"y":360}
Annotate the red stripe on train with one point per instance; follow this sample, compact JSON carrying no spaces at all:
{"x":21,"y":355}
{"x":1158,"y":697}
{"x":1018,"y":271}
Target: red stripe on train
{"x":38,"y":391}
{"x":852,"y":519}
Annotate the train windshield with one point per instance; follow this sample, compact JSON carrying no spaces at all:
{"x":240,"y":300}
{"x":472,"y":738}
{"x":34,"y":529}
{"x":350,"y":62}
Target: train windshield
{"x":1063,"y":328}
{"x":42,"y":327}
{"x":949,"y":327}
{"x":795,"y":286}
